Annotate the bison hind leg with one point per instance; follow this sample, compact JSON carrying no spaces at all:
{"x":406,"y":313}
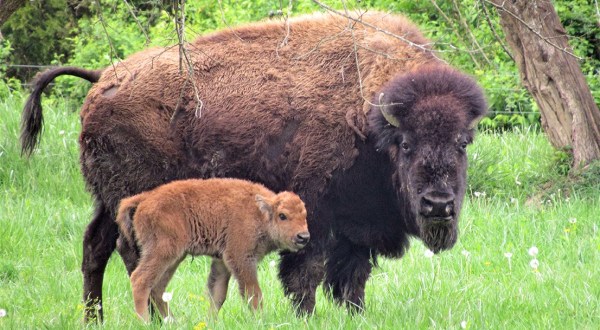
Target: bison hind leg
{"x":348,"y":269}
{"x":99,"y":242}
{"x":301,"y":273}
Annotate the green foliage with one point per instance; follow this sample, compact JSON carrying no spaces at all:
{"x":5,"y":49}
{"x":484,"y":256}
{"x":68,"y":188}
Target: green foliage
{"x":39,"y":32}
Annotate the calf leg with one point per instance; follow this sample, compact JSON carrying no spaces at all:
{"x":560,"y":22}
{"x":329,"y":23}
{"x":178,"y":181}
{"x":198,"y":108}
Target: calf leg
{"x":146,"y":276}
{"x":159,"y":289}
{"x":243,"y":269}
{"x":218,"y":282}
{"x":348,"y":268}
{"x":99,"y":242}
{"x":301,"y":273}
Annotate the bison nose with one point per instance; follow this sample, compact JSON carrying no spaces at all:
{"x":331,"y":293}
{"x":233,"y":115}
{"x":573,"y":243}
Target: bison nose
{"x":302,"y":238}
{"x":437,"y":205}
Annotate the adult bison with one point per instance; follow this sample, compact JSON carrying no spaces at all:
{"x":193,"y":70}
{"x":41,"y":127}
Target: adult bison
{"x":364,"y":123}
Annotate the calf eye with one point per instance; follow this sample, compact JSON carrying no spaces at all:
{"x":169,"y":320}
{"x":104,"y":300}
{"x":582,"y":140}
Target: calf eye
{"x":282,"y":216}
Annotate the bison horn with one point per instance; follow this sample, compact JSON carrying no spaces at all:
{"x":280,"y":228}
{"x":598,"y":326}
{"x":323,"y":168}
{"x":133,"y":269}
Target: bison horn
{"x":389,"y":117}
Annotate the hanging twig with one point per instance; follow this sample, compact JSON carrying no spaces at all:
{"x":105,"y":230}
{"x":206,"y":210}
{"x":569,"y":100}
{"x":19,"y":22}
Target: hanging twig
{"x":456,"y":32}
{"x":184,"y":59}
{"x":489,"y":21}
{"x":137,"y":21}
{"x":466,"y":27}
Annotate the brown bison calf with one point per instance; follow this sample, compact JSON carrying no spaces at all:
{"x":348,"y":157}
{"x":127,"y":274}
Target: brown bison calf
{"x":234,"y":221}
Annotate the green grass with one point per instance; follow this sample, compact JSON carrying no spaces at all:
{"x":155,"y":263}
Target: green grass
{"x":44,"y":210}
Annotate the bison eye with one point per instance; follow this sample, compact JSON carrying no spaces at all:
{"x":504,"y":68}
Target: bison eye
{"x":463,"y":145}
{"x":282,"y":216}
{"x":405,"y":146}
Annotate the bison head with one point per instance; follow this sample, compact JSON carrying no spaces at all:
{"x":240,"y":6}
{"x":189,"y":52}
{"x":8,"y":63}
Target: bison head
{"x":424,"y":120}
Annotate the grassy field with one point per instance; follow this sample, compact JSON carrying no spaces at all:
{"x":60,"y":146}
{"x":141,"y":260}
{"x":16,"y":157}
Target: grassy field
{"x":486,"y":282}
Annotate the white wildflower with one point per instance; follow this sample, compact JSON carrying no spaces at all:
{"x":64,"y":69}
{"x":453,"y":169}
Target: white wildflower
{"x":463,"y":324}
{"x":169,"y":319}
{"x":508,"y":255}
{"x":534,"y":263}
{"x":272,"y":263}
{"x":61,"y":132}
{"x":513,"y":200}
{"x":2,"y":312}
{"x":167,"y":296}
{"x":466,"y":253}
{"x":428,"y":253}
{"x":533,"y":251}
{"x":572,"y":220}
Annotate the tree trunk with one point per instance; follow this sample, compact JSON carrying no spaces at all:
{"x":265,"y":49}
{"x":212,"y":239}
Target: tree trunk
{"x":8,"y":7}
{"x":552,"y":75}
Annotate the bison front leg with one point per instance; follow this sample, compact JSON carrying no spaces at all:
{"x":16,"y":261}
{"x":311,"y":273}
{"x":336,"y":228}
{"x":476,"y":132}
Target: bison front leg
{"x":99,"y":243}
{"x":301,"y":273}
{"x":348,"y":268}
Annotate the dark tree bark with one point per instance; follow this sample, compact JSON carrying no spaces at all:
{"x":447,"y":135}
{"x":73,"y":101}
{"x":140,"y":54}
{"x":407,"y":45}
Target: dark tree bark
{"x":551,"y":73}
{"x":8,"y":7}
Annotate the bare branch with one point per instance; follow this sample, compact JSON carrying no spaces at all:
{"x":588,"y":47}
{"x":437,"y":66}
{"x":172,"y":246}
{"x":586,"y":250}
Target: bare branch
{"x":110,"y":44}
{"x":456,"y":32}
{"x":179,"y":12}
{"x":489,"y":21}
{"x":225,"y":21}
{"x":466,"y":27}
{"x":376,"y":28}
{"x":137,"y":21}
{"x":546,"y":40}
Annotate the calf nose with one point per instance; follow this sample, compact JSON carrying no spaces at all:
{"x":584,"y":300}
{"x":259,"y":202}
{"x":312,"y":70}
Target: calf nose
{"x":440,"y":205}
{"x":302,"y":238}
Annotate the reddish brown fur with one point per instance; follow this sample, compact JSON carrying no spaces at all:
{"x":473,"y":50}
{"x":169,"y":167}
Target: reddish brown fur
{"x":234,"y":221}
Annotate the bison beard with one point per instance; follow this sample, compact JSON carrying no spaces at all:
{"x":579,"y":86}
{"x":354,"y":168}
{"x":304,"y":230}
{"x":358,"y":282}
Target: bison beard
{"x":291,"y":116}
{"x":438,"y":237}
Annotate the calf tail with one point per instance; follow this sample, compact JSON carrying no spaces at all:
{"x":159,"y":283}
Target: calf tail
{"x":124,"y":217}
{"x":32,"y":119}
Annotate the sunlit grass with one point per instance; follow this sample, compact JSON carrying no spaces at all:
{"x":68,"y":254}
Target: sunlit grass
{"x":44,"y":210}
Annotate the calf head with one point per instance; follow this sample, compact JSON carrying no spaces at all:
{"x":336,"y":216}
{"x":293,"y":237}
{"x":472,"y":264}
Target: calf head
{"x":424,"y":120}
{"x":286,"y":214}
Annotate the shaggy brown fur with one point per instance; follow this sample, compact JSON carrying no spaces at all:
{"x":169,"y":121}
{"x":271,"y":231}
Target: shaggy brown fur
{"x":291,"y":115}
{"x":234,"y":221}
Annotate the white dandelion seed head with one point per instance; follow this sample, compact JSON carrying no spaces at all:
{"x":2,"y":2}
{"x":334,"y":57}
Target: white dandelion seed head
{"x":533,"y":251}
{"x":167,"y":296}
{"x":98,"y":307}
{"x":272,"y":263}
{"x":513,"y":200}
{"x":534,"y":263}
{"x":428,"y":253}
{"x":508,"y":255}
{"x":463,"y":324}
{"x":169,"y":319}
{"x":61,"y":132}
{"x":2,"y":312}
{"x":572,"y":220}
{"x":465,"y":253}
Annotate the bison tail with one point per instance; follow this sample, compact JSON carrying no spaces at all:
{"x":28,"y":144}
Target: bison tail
{"x":32,"y":119}
{"x":124,"y":217}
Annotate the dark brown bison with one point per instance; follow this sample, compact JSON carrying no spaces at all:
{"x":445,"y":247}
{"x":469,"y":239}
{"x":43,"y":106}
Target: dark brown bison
{"x":237,"y":222}
{"x":367,"y":125}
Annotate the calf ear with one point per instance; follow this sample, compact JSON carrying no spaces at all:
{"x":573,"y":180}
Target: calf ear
{"x":264,"y":206}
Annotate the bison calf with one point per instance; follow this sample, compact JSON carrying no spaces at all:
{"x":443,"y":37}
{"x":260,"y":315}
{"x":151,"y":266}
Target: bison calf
{"x":236,"y":222}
